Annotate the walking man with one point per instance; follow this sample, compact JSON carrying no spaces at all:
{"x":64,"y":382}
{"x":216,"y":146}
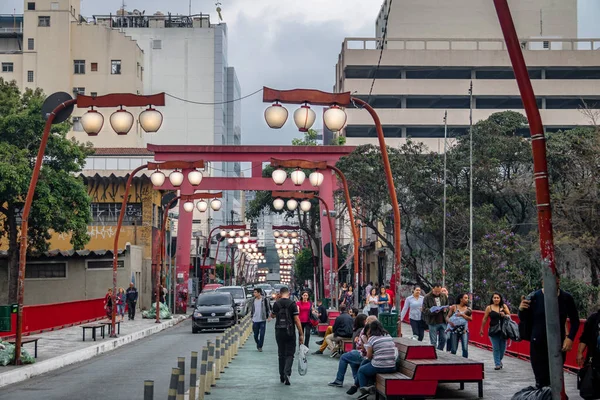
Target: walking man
{"x":287,"y":321}
{"x":132,"y":296}
{"x":435,"y":308}
{"x":261,"y":311}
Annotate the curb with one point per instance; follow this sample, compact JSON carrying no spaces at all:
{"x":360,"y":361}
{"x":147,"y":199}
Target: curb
{"x":32,"y":370}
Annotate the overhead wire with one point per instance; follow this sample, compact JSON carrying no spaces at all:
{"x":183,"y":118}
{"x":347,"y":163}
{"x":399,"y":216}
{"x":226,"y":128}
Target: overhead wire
{"x":383,"y":37}
{"x":213,"y":103}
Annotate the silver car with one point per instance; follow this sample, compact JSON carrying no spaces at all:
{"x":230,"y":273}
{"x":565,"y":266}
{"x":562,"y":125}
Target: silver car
{"x":242,"y":302}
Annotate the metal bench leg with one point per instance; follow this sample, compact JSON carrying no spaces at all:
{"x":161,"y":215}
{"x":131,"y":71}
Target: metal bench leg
{"x":94,"y":334}
{"x":84,"y":334}
{"x":35,"y":349}
{"x":462,"y":386}
{"x":480,"y":389}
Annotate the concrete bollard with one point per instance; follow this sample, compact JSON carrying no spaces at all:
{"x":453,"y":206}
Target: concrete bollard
{"x":236,"y":342}
{"x":193,"y":373}
{"x":217,"y":357}
{"x":227,"y":349}
{"x":181,"y":380}
{"x":203,"y":371}
{"x":211,"y":359}
{"x":148,"y":390}
{"x":173,"y":384}
{"x":209,"y":368}
{"x":222,"y":356}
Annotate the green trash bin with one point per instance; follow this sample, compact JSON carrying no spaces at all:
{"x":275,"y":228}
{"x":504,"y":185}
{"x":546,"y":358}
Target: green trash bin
{"x":389,"y":322}
{"x":5,"y":317}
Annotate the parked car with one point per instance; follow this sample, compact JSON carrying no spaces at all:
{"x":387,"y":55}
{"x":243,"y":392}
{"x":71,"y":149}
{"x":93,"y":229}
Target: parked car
{"x":214,"y":310}
{"x":275,"y":292}
{"x":242,"y":302}
{"x":266,"y":288}
{"x":210,"y":287}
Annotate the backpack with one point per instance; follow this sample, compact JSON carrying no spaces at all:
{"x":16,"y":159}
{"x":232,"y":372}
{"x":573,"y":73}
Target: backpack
{"x":285,"y":320}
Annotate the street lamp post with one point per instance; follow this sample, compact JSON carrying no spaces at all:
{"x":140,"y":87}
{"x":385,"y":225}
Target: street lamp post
{"x":335,"y":119}
{"x":56,"y":109}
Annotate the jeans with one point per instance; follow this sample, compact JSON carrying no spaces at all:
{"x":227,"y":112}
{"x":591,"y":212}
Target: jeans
{"x":464,"y":340}
{"x":306,"y":327}
{"x":121,"y":309}
{"x":437,"y":333}
{"x":259,"y":333}
{"x":131,"y":309}
{"x":417,"y":329}
{"x":499,"y":348}
{"x":367,"y":372}
{"x":352,"y":358}
{"x":286,"y":347}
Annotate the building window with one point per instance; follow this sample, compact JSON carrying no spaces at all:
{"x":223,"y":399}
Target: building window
{"x":77,"y":91}
{"x":7,"y":67}
{"x":79,"y":66}
{"x":94,"y":67}
{"x":104,"y":264}
{"x":157,"y":44}
{"x":44,"y":21}
{"x":31,"y":6}
{"x":54,"y":6}
{"x":115,"y":67}
{"x":108,"y":214}
{"x":77,"y":127}
{"x":48,"y":270}
{"x":29,"y":76}
{"x":30,"y":43}
{"x":94,"y":94}
{"x":546,"y":44}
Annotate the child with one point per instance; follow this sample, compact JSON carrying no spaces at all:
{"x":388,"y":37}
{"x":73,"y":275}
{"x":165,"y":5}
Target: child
{"x":456,"y":322}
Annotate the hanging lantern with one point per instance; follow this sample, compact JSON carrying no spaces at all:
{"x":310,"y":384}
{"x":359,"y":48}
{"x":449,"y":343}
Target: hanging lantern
{"x":215,"y":204}
{"x":298,"y":177}
{"x":176,"y":178}
{"x":150,"y":120}
{"x":276,"y":115}
{"x":121,"y":121}
{"x":278,"y":204}
{"x":291,"y":205}
{"x":188,"y":206}
{"x":279,"y":176}
{"x":304,"y":117}
{"x":92,"y":122}
{"x":316,"y":178}
{"x":334,"y":118}
{"x":157,"y":178}
{"x":202,"y":206}
{"x":305,"y":206}
{"x":195,"y":177}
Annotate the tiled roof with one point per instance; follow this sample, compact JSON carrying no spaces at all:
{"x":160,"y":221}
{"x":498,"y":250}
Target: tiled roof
{"x":122,"y":151}
{"x":70,"y":253}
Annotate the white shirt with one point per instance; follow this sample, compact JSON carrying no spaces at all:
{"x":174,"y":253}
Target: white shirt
{"x":415,"y":308}
{"x":372,"y":300}
{"x":258,"y":304}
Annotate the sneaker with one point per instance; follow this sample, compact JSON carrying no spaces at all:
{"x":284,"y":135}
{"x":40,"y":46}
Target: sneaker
{"x":319,"y":342}
{"x":260,"y":349}
{"x":334,"y":354}
{"x":497,"y":367}
{"x":287,"y":381}
{"x":367,"y":390}
{"x":353,"y":389}
{"x":363,"y":396}
{"x":336,"y":384}
{"x":318,"y":352}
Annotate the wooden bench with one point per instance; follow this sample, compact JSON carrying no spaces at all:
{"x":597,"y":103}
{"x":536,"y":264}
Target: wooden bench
{"x":346,"y":345}
{"x":93,"y":328}
{"x":322,"y":328}
{"x":25,"y":340}
{"x":420,"y":369}
{"x":108,"y":323}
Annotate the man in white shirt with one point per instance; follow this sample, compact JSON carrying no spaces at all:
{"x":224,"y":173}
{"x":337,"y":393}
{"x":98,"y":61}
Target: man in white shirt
{"x":261,"y":311}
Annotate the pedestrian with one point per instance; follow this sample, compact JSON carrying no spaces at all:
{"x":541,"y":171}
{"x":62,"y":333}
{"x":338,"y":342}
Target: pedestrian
{"x":413,"y":305}
{"x":532,"y":312}
{"x":590,"y":340}
{"x":373,"y":302}
{"x":260,"y":312}
{"x":285,"y":312}
{"x":391,"y":296}
{"x":121,"y":300}
{"x":304,"y":311}
{"x":435,"y":306}
{"x":322,"y":312}
{"x":496,"y":311}
{"x":342,"y":328}
{"x":132,"y":296}
{"x":108,"y":303}
{"x":368,"y":292}
{"x":381,"y":358}
{"x":459,"y":316}
{"x":354,"y":357}
{"x":348,"y":300}
{"x":384,"y":300}
{"x":342,"y":293}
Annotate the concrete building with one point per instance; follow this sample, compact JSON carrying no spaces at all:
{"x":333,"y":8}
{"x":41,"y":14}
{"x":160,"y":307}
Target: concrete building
{"x":426,"y":68}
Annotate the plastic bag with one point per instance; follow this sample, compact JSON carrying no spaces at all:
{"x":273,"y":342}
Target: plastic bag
{"x":164,"y":312}
{"x":302,"y":360}
{"x":531,"y":393}
{"x":7,"y":355}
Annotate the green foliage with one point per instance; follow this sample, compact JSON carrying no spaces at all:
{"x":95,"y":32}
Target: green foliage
{"x":309,"y":139}
{"x":61,"y":202}
{"x":220,"y":269}
{"x":585,"y":295}
{"x":304,"y":267}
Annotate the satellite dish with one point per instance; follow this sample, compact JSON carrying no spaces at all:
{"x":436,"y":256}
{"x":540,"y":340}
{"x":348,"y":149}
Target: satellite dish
{"x":53,"y":101}
{"x":167,"y":198}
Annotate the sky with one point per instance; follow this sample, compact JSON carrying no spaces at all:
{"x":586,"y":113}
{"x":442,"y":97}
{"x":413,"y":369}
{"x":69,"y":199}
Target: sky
{"x":283,"y":44}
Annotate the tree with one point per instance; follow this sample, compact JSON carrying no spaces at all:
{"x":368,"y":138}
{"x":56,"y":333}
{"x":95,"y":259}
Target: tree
{"x":304,"y":265}
{"x":61,"y":203}
{"x":220,"y":268}
{"x":309,"y":139}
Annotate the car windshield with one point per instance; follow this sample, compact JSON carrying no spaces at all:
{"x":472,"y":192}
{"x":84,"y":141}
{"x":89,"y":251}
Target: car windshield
{"x":265,"y":287}
{"x":237,"y":293}
{"x":213,"y":299}
{"x":278,"y":286}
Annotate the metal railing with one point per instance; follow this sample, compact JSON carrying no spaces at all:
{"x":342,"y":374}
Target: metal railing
{"x":11,"y":30}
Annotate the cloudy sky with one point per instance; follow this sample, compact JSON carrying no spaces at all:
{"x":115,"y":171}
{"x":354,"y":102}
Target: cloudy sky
{"x":283,"y":43}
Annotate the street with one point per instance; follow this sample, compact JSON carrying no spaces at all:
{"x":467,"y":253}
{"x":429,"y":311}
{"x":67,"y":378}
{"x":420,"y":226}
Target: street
{"x":118,"y":374}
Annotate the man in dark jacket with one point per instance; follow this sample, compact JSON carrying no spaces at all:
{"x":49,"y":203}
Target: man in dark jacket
{"x":342,"y":328}
{"x":322,"y":311}
{"x":132,"y":295}
{"x":285,"y":312}
{"x":435,"y":308}
{"x":533,"y":312}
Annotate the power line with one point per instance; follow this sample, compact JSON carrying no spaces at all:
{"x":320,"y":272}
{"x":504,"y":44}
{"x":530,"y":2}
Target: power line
{"x":385,"y":26}
{"x":216,"y":103}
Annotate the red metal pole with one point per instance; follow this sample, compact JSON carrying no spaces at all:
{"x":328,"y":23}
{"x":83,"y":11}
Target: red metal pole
{"x":352,"y":226}
{"x":542,"y":190}
{"x":113,"y":332}
{"x":333,"y":237}
{"x":396,"y":283}
{"x":24,"y":225}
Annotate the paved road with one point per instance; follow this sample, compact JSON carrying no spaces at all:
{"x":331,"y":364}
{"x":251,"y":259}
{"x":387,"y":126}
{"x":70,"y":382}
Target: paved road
{"x":118,"y":374}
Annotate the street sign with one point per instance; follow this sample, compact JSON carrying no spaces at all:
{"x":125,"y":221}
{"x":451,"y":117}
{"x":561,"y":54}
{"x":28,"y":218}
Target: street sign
{"x":53,"y":101}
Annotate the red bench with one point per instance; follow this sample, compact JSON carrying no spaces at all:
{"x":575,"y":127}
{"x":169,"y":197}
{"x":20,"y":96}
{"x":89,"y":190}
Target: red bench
{"x":322,"y":328}
{"x":421,"y":368}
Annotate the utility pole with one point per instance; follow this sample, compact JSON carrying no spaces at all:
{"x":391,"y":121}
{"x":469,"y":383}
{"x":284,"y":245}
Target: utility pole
{"x":471,"y":193}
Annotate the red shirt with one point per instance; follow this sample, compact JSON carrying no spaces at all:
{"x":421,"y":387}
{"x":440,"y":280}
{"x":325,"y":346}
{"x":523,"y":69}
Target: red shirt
{"x":304,"y":311}
{"x":390,"y":295}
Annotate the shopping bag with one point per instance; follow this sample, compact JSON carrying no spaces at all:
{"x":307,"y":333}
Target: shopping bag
{"x":302,"y":360}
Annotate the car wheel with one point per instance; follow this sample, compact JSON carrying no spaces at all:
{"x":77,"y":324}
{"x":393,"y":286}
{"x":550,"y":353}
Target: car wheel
{"x":195,"y":330}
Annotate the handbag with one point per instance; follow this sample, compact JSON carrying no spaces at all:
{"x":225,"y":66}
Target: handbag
{"x":496,"y":330}
{"x":588,"y":382}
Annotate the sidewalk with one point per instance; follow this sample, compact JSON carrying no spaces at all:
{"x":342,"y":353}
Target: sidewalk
{"x":254,"y":375}
{"x":59,"y":348}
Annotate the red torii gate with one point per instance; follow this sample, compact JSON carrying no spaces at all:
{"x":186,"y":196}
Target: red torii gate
{"x":257,"y":156}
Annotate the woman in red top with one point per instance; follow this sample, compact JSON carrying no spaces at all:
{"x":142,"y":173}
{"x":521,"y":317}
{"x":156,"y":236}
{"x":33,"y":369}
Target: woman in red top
{"x":304,"y":310}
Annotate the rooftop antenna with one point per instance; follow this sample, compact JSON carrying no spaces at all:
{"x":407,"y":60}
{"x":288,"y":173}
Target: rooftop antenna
{"x":190,"y":8}
{"x":218,"y":4}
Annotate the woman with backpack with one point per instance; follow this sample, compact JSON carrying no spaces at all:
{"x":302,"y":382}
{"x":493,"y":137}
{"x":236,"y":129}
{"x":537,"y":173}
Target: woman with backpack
{"x":496,"y":311}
